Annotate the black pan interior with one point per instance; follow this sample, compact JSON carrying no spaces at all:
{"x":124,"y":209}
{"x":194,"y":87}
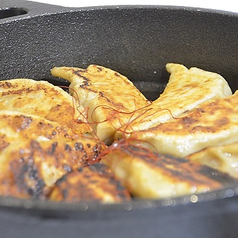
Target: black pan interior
{"x":137,"y":41}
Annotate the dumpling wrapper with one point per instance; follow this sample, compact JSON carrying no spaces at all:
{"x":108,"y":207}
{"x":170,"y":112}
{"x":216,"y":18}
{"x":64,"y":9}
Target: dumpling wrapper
{"x":223,"y":158}
{"x":186,"y":89}
{"x":43,"y":99}
{"x":36,"y":152}
{"x":213,"y":123}
{"x":110,"y":99}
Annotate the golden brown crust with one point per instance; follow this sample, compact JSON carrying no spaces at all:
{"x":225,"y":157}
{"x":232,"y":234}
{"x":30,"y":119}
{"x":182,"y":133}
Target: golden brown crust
{"x":93,"y":183}
{"x":36,"y":167}
{"x":37,"y":152}
{"x":149,"y":175}
{"x":110,"y":97}
{"x":186,"y":90}
{"x":43,"y":99}
{"x":212,"y":123}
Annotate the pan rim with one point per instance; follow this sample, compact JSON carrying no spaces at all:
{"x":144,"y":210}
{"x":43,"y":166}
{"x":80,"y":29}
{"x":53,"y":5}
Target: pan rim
{"x":133,"y":205}
{"x":32,"y":13}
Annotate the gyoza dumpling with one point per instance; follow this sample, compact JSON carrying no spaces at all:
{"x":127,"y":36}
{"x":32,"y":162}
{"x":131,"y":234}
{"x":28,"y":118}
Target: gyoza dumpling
{"x":36,"y":152}
{"x":186,"y":89}
{"x":43,"y":99}
{"x":148,"y":175}
{"x":212,"y":123}
{"x":109,"y":97}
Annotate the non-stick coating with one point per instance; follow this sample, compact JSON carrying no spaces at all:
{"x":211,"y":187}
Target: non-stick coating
{"x":138,"y":42}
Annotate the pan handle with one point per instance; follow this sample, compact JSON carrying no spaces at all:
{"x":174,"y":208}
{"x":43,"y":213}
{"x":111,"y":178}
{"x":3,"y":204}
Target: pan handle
{"x":18,"y":9}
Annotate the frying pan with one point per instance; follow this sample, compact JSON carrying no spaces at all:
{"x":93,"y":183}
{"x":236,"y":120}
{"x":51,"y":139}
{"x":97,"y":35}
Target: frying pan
{"x":137,"y":41}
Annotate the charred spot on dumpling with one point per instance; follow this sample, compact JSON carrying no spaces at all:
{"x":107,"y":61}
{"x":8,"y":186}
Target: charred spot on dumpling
{"x":91,"y":183}
{"x":27,"y":178}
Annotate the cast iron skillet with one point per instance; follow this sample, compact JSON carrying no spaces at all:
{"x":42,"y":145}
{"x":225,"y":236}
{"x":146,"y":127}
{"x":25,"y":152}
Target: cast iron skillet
{"x":136,"y":41}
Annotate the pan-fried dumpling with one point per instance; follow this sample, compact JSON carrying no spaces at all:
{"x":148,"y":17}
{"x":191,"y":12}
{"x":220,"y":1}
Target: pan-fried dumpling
{"x":149,"y":175}
{"x":213,"y":123}
{"x":43,"y":99}
{"x":186,"y":89}
{"x":36,"y":152}
{"x":109,"y":97}
{"x":94,"y":183}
